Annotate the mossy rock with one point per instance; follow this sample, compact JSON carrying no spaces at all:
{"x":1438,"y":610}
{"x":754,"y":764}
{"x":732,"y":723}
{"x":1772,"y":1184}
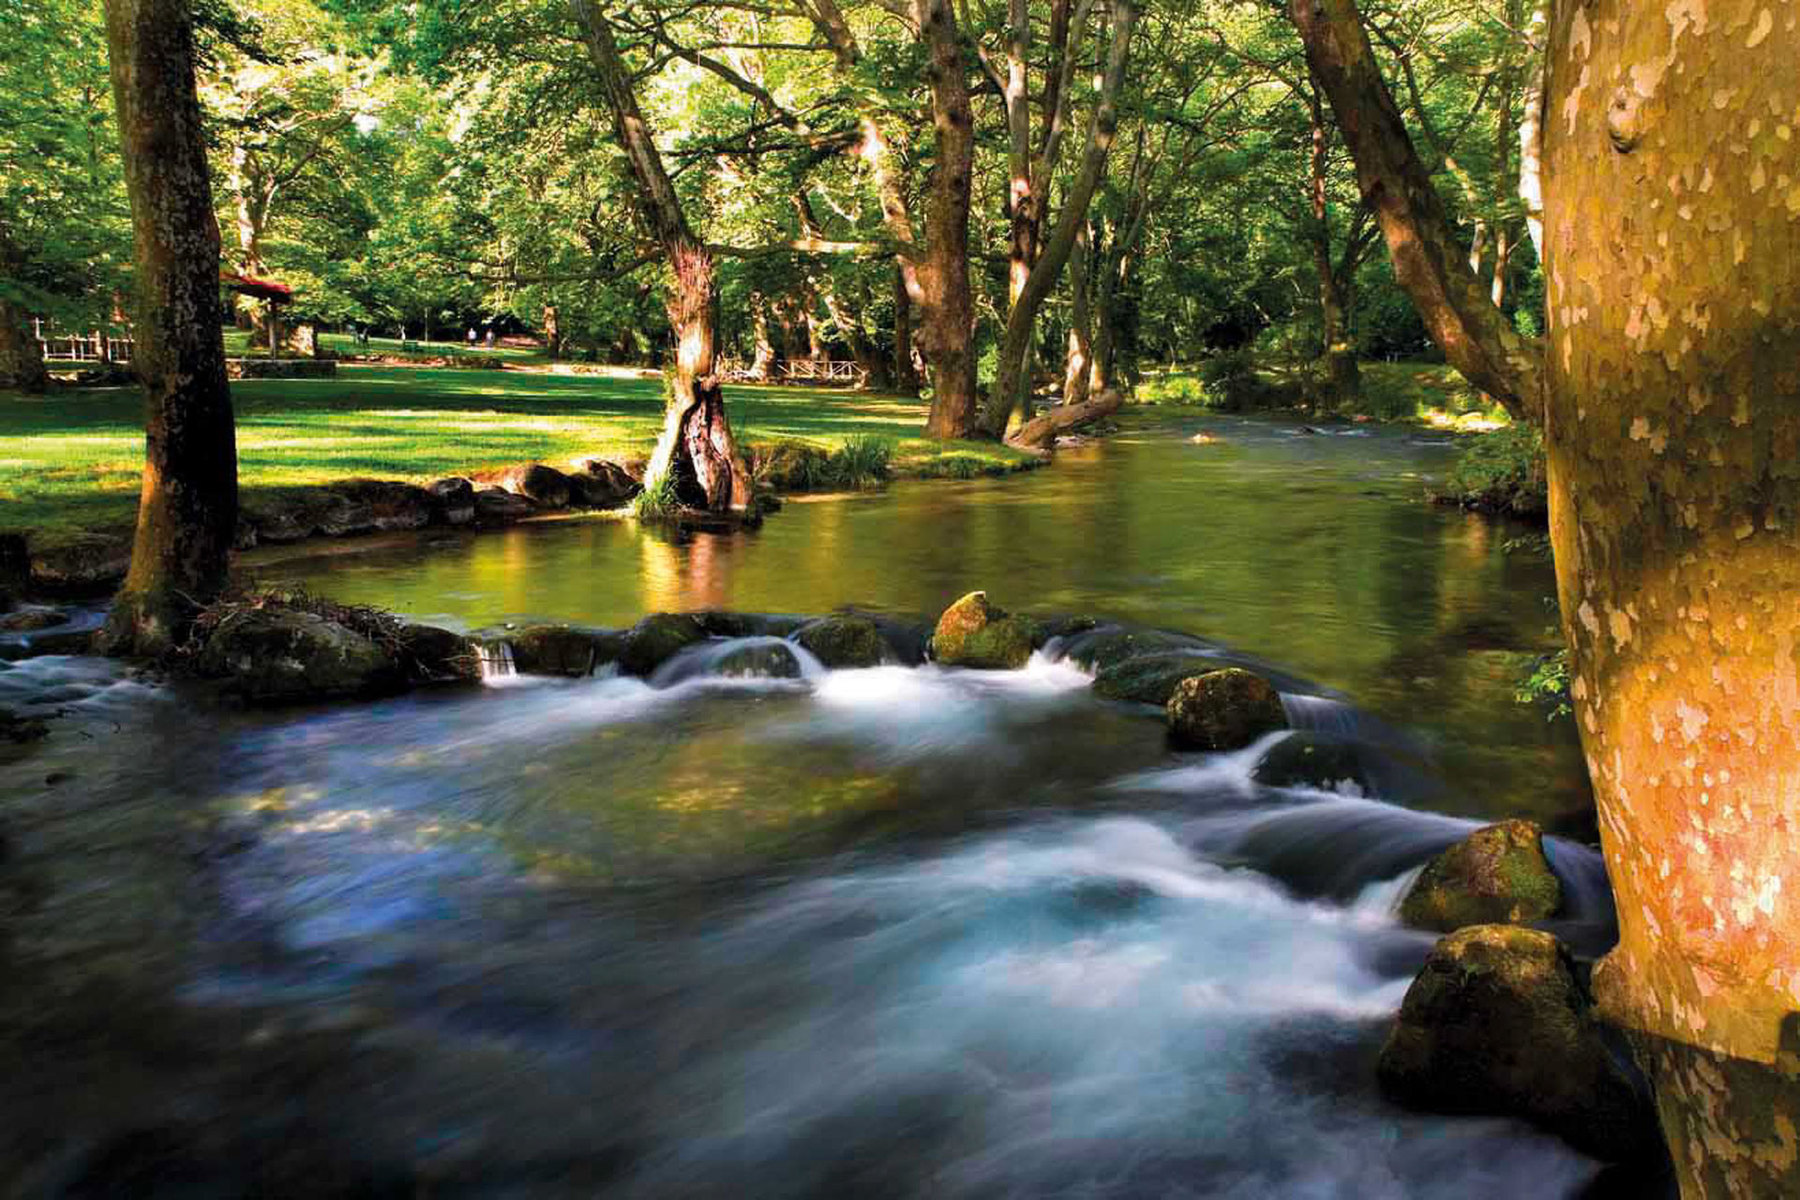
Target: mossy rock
{"x":569,"y":650}
{"x":1150,"y":679}
{"x":1497,"y":1023}
{"x":656,"y":639}
{"x":274,"y":655}
{"x":1223,"y":710}
{"x":1496,"y":875}
{"x":760,"y":660}
{"x":429,"y":654}
{"x":845,"y":641}
{"x":974,"y":633}
{"x":1311,"y":760}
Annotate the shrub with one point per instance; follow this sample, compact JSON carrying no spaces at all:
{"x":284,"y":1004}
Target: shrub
{"x":864,"y":461}
{"x":1231,"y":381}
{"x":1173,"y":389}
{"x":659,"y":499}
{"x":1501,"y":472}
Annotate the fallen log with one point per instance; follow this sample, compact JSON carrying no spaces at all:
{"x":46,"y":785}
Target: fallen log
{"x":1039,"y":432}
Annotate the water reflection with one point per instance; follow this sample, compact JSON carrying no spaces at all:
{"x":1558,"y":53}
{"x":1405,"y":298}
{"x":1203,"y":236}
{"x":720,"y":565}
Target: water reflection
{"x":1313,"y":552}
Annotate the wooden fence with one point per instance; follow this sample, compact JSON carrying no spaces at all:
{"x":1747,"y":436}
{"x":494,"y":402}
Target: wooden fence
{"x":96,"y":346}
{"x":796,"y":370}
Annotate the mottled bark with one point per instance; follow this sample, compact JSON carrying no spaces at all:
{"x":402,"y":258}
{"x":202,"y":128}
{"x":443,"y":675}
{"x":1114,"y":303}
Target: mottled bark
{"x":187,"y":510}
{"x":696,"y":448}
{"x":1428,"y":261}
{"x":1009,"y":406}
{"x":1672,"y":236}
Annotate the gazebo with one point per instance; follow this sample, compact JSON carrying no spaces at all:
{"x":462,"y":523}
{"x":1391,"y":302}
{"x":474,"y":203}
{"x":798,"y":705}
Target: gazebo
{"x":276,"y":294}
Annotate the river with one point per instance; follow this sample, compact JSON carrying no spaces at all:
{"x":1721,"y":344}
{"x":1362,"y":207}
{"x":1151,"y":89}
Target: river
{"x":893,"y":932}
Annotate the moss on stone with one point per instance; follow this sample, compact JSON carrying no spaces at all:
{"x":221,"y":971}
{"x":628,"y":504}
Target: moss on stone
{"x":1496,"y":875}
{"x":974,"y":633}
{"x":1150,"y":679}
{"x":656,"y":639}
{"x":845,"y":641}
{"x":1223,"y":710}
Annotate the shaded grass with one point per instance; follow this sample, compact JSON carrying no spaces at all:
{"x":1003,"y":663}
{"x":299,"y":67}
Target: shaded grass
{"x":70,"y":462}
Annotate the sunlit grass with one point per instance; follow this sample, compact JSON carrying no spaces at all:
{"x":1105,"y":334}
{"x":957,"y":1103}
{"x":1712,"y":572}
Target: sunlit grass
{"x":70,"y":462}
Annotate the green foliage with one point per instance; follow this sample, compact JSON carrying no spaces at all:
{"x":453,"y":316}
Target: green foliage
{"x":658,"y":500}
{"x":1231,"y":381}
{"x":1547,"y":686}
{"x":1501,"y":472}
{"x":863,"y":461}
{"x":1177,"y":388}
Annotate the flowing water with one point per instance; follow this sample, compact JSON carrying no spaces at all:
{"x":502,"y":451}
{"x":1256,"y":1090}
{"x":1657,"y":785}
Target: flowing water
{"x":891,"y":932}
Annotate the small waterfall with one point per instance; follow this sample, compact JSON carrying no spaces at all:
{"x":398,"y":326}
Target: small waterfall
{"x":496,"y":661}
{"x":1321,"y":715}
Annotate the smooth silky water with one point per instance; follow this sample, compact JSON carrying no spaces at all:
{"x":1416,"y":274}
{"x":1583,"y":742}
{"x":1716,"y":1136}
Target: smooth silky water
{"x":890,"y":932}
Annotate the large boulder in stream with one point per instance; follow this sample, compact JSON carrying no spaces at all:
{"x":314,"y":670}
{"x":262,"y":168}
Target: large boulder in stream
{"x":569,"y":650}
{"x":1496,"y":875}
{"x":1497,"y":1023}
{"x":846,"y":641}
{"x":974,"y":633}
{"x":656,"y":639}
{"x":277,"y":655}
{"x":1223,"y":710}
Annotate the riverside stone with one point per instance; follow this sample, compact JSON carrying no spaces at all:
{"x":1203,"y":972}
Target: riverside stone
{"x":1496,"y":875}
{"x":1497,"y":1024}
{"x":974,"y":633}
{"x":1223,"y":710}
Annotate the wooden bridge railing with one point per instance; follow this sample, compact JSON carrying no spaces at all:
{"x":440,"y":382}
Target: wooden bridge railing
{"x":96,"y":346}
{"x":795,"y":370}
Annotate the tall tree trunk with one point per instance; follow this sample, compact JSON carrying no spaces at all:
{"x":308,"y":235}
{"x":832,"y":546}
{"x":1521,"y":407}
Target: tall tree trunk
{"x":1009,"y":405}
{"x":946,"y":301}
{"x":187,"y":512}
{"x":906,"y":372}
{"x":1531,"y":128}
{"x":1503,"y":251}
{"x":763,"y":365}
{"x":1078,"y":362}
{"x":21,"y":358}
{"x":696,"y":449}
{"x":1106,"y":292}
{"x":1670,"y":219}
{"x":1428,"y":261}
{"x":1343,"y":377}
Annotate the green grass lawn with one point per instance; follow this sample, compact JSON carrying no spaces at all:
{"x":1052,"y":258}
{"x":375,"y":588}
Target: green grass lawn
{"x":70,"y":461}
{"x":237,"y":343}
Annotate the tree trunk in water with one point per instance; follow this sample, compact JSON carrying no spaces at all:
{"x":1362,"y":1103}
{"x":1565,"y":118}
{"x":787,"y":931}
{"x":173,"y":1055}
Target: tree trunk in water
{"x":1039,"y":432}
{"x":1428,"y":262}
{"x":906,"y":372}
{"x":21,"y":358}
{"x":946,"y":301}
{"x":1079,"y":361}
{"x":1670,"y":220}
{"x":696,"y":449}
{"x":187,"y":512}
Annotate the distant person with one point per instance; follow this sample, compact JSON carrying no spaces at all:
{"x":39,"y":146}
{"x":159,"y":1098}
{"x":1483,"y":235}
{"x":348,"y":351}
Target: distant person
{"x":471,"y":337}
{"x":490,"y":337}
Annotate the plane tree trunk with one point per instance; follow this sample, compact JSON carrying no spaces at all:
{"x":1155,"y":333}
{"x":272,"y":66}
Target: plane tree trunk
{"x":696,"y":451}
{"x":1671,"y":415}
{"x":187,"y":510}
{"x":1672,"y":234}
